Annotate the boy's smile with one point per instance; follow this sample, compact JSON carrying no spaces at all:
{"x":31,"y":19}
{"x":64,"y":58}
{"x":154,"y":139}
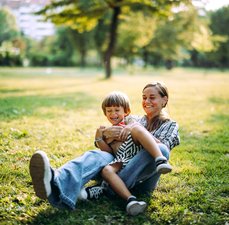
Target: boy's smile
{"x":115,"y":114}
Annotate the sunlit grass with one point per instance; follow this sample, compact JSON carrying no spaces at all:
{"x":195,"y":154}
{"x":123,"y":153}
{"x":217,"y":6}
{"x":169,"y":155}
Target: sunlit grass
{"x":58,"y":110}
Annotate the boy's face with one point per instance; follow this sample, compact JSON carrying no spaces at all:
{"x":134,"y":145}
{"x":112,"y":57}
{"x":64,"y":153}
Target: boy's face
{"x":115,"y":114}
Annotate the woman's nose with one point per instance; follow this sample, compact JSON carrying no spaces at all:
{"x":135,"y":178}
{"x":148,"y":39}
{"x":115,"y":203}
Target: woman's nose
{"x":147,"y":100}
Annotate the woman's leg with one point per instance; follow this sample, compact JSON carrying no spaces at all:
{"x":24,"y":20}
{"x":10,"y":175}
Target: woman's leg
{"x":69,"y":179}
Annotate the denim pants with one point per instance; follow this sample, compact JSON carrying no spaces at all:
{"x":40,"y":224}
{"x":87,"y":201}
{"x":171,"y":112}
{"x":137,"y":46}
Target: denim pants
{"x":72,"y":176}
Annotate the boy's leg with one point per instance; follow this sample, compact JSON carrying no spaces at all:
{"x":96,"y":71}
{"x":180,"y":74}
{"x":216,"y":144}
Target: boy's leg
{"x":109,"y":174}
{"x":142,"y":136}
{"x":141,"y":170}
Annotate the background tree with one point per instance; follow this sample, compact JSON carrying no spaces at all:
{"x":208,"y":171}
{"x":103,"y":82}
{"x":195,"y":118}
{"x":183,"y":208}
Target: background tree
{"x":178,"y":34}
{"x":219,"y":23}
{"x":84,"y":16}
{"x":8,"y":26}
{"x":11,"y":44}
{"x":135,"y":32}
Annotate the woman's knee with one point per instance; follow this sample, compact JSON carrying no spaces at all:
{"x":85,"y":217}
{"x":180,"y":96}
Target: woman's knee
{"x":164,"y":150}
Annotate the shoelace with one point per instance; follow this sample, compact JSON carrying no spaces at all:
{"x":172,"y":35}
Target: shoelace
{"x":95,"y":192}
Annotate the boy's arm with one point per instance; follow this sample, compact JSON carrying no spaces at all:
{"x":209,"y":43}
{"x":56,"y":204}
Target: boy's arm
{"x":130,"y":123}
{"x":100,"y":142}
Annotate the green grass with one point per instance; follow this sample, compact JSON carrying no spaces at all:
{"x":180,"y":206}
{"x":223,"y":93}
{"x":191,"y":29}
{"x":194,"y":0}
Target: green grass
{"x":58,"y":111}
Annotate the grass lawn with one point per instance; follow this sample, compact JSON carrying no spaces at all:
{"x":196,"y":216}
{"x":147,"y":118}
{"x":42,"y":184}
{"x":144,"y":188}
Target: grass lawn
{"x":58,"y":110}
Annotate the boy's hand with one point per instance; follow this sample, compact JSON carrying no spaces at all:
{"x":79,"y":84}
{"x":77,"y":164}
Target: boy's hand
{"x":124,"y":133}
{"x":99,"y":132}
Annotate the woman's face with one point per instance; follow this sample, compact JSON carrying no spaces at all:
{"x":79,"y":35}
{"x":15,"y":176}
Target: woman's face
{"x":152,"y":102}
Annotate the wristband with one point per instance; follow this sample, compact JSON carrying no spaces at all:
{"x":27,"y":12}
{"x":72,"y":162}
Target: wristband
{"x":98,"y":139}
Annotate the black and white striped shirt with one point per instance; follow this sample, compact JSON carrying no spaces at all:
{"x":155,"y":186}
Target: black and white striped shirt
{"x":167,"y":133}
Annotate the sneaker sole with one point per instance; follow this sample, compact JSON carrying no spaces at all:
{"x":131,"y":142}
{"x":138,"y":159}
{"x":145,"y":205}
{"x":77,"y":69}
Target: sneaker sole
{"x":41,"y":174}
{"x":135,"y":208}
{"x":164,"y":168}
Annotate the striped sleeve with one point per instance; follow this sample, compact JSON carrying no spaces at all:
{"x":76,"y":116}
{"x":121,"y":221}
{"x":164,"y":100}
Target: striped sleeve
{"x":168,"y":134}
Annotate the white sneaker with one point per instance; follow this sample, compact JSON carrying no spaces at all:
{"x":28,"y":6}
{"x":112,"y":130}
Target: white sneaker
{"x":41,"y":174}
{"x":135,"y":207}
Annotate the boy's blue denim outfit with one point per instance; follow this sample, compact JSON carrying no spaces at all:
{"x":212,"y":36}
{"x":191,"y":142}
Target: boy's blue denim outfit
{"x":72,"y":176}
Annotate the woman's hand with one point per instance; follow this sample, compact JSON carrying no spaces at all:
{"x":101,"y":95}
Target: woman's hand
{"x":112,"y":132}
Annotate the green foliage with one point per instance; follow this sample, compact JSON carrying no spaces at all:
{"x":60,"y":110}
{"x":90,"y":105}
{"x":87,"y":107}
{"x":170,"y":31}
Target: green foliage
{"x":219,"y":20}
{"x":135,"y":32}
{"x":8,"y":25}
{"x":11,"y":46}
{"x":58,"y":50}
{"x":179,"y":33}
{"x":59,"y":114}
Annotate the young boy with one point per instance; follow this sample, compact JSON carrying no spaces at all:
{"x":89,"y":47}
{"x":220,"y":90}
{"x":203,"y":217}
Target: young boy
{"x":116,"y":108}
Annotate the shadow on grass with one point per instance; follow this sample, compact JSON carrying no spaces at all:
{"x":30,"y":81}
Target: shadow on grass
{"x":6,"y":91}
{"x":17,"y":107}
{"x":103,"y":211}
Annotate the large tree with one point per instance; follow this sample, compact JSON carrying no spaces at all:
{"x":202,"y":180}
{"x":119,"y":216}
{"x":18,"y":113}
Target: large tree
{"x":85,"y":15}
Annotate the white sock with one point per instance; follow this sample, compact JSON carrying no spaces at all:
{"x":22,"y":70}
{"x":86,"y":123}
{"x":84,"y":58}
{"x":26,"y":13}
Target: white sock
{"x":132,"y":196}
{"x":83,"y":194}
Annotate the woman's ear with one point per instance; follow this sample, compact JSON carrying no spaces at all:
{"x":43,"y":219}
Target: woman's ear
{"x":165,"y":100}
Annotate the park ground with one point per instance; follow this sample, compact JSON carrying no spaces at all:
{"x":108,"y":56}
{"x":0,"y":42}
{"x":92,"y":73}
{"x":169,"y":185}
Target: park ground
{"x":58,"y":110}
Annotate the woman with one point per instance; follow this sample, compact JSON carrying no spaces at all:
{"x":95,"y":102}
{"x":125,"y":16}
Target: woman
{"x":62,"y":186}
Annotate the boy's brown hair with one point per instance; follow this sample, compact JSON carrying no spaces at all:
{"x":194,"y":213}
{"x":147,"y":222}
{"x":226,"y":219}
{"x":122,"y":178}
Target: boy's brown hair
{"x":116,"y":98}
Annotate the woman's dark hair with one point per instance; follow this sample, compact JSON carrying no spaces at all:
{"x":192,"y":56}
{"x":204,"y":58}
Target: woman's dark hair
{"x":157,"y":121}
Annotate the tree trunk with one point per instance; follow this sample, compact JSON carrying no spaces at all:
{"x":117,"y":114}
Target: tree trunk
{"x":145,"y":57}
{"x":83,"y":51}
{"x":111,"y":45}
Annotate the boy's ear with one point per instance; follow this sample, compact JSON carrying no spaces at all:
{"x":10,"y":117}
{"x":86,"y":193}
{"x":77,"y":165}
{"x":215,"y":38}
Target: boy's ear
{"x":127,"y":113}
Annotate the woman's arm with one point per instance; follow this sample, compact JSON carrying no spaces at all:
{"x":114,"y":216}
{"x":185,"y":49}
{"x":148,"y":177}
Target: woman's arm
{"x":168,"y":134}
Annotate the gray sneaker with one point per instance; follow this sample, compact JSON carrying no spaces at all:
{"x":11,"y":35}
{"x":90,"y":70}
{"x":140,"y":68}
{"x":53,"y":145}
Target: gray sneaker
{"x":162,"y":165}
{"x":40,"y":172}
{"x":135,"y":207}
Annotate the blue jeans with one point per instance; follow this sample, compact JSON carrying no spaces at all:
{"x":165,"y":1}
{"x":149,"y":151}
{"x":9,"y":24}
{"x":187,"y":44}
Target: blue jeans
{"x":72,"y":176}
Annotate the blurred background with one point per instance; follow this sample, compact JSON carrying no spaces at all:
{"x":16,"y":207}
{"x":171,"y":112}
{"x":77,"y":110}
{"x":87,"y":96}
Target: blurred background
{"x":49,"y":33}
